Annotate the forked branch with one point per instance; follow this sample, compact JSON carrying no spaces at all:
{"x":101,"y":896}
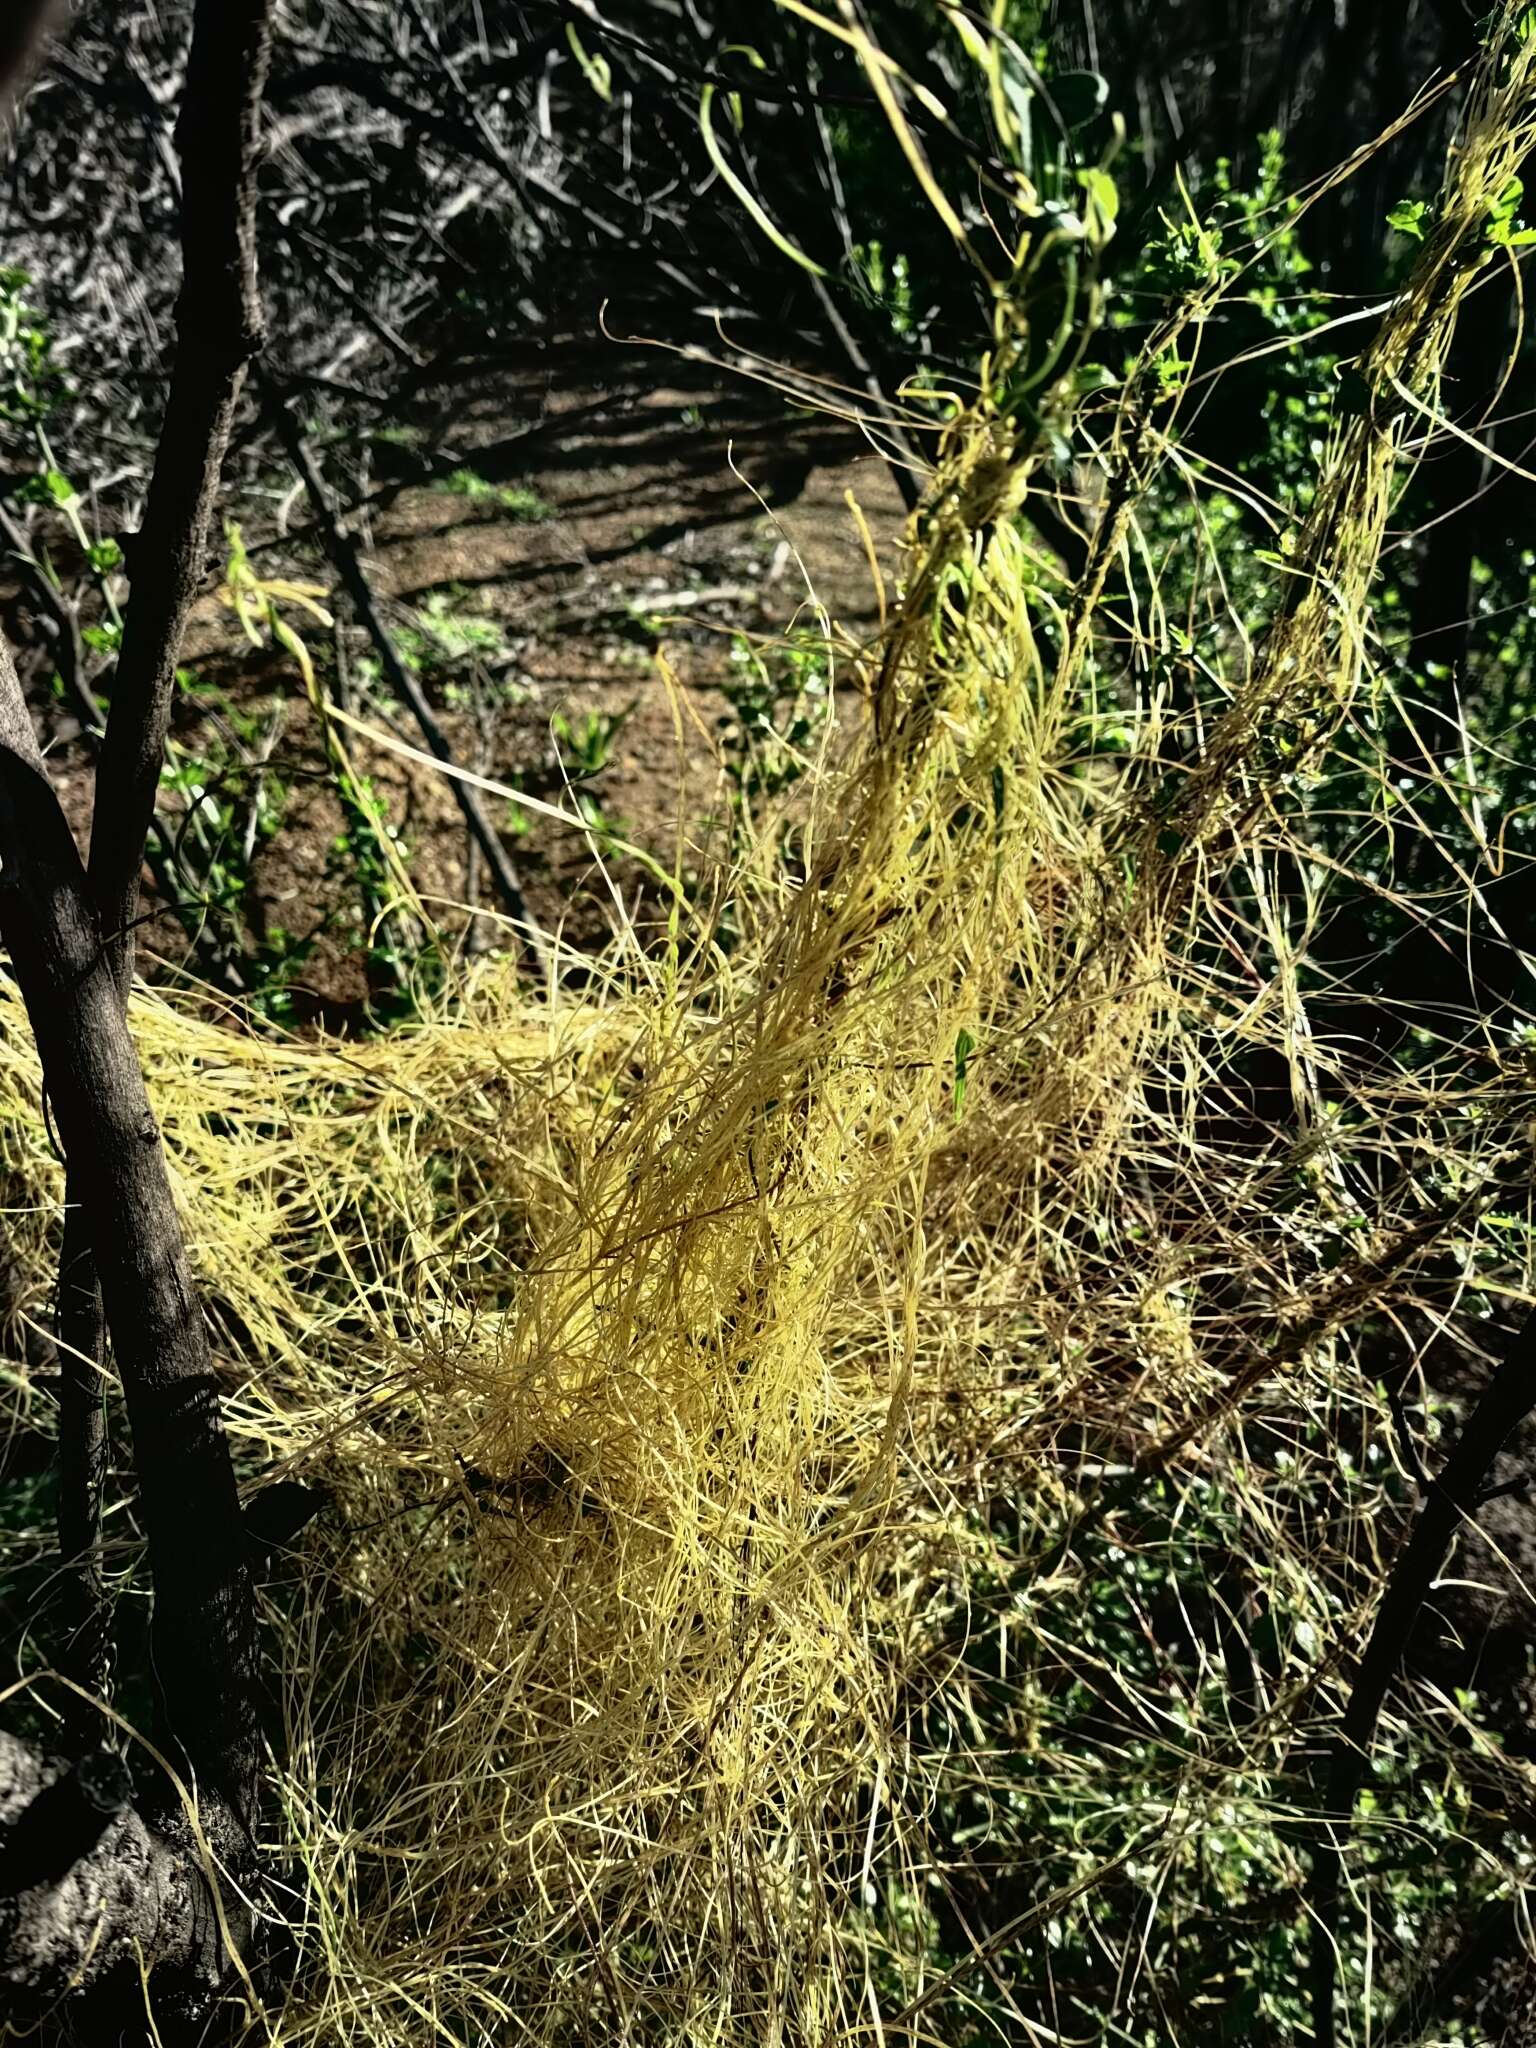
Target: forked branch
{"x":219,"y":329}
{"x":203,"y":1639}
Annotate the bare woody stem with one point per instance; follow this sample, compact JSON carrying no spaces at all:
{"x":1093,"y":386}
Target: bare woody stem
{"x":348,"y":564}
{"x":1452,"y":1499}
{"x":219,"y":328}
{"x":203,"y":1628}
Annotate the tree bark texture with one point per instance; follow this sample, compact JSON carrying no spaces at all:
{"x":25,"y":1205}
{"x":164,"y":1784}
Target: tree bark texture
{"x":91,"y":1894}
{"x":218,"y":328}
{"x":86,"y":1882}
{"x":203,"y":1626}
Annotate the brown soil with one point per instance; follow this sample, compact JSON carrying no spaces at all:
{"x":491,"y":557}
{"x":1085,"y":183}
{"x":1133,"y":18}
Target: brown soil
{"x":543,"y":535}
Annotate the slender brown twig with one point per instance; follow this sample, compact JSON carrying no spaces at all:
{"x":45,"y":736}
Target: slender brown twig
{"x":1451,"y":1501}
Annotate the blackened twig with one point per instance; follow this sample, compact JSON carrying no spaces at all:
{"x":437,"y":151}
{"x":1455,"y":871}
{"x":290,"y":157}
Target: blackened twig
{"x":348,"y":565}
{"x":1451,"y":1501}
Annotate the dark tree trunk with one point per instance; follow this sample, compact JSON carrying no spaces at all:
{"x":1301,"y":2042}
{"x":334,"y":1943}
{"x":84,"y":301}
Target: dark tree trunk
{"x":90,"y":1891}
{"x":203,"y":1636}
{"x":202,"y":1624}
{"x":219,"y":328}
{"x":89,"y":1888}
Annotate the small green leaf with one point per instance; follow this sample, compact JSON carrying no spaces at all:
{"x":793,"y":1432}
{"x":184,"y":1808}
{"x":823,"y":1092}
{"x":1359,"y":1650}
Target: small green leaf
{"x":1408,"y":218}
{"x":1103,"y":206}
{"x":1088,"y":378}
{"x":965,"y":1045}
